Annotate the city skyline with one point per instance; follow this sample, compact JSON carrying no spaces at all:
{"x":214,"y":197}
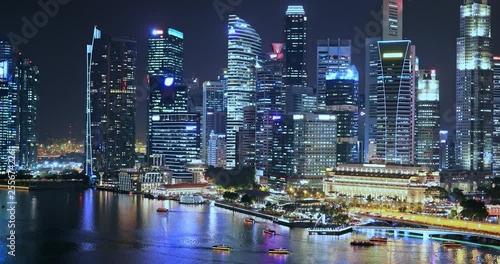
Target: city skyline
{"x":56,"y":115}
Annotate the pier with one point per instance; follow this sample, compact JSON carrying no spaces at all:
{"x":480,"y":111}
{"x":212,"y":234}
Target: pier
{"x":329,"y":231}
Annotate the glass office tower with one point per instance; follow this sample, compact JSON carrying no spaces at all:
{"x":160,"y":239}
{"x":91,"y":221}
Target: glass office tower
{"x":474,"y":86}
{"x":244,"y":46}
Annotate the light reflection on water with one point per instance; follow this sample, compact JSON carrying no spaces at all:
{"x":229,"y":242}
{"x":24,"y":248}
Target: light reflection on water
{"x":62,"y":226}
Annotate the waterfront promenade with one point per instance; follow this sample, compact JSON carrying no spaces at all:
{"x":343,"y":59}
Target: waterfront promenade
{"x":275,"y":219}
{"x":471,"y":227}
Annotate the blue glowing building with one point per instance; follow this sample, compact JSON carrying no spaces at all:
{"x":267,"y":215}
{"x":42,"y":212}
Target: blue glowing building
{"x":342,"y":95}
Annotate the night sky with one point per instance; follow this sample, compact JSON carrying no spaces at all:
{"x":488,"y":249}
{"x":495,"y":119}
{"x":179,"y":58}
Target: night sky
{"x":59,"y":47}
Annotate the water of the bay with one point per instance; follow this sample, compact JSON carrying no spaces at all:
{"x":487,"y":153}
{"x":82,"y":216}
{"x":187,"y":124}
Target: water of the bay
{"x":90,"y":226}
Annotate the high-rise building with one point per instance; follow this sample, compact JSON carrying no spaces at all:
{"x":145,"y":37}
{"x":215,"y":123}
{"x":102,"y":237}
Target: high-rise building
{"x":216,"y":153}
{"x":392,"y":22}
{"x":496,"y":116}
{"x":450,"y":144}
{"x":294,"y":68}
{"x":299,"y":100}
{"x":165,"y":59}
{"x":392,"y":29}
{"x":112,"y":98}
{"x":246,"y":138}
{"x":8,"y":105}
{"x":333,"y":55}
{"x":395,"y":102}
{"x":342,"y":94}
{"x":173,"y":131}
{"x":283,"y":164}
{"x":372,"y":64}
{"x":443,"y":150}
{"x":313,"y":148}
{"x":195,"y":95}
{"x":214,"y":113}
{"x":268,"y":104}
{"x":474,"y":82}
{"x":427,"y":148}
{"x":176,"y":141}
{"x":27,"y":77}
{"x":166,"y":54}
{"x":244,"y":46}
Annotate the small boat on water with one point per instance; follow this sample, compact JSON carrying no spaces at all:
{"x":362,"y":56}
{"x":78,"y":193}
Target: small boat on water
{"x":222,"y":247}
{"x":362,"y":243}
{"x":162,"y":210}
{"x":269,"y":231}
{"x":283,"y":251}
{"x":379,"y":239}
{"x":451,"y":244}
{"x":249,"y":220}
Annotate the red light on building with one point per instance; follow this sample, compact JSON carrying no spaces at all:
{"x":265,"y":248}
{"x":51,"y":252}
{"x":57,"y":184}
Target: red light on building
{"x":277,"y":51}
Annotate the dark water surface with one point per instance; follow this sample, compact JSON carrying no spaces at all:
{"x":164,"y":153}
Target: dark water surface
{"x":67,"y":226}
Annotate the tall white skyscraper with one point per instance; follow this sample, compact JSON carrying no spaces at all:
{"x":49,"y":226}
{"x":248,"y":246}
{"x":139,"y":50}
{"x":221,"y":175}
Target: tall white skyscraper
{"x":427,"y":146}
{"x":474,"y":85}
{"x":244,"y":46}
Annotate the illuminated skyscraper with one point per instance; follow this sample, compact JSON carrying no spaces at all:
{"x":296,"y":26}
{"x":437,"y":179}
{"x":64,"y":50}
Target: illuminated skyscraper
{"x":165,"y":59}
{"x":27,"y":77}
{"x":392,"y":29}
{"x":244,"y":46}
{"x":268,"y":104}
{"x":294,"y":69}
{"x":214,"y":114}
{"x":313,"y":148}
{"x":395,"y":102}
{"x":299,"y":100}
{"x":496,"y":116}
{"x":173,"y":132}
{"x":112,"y":91}
{"x":283,"y":164}
{"x":427,"y":149}
{"x":166,"y":54}
{"x":474,"y":82}
{"x":392,"y":22}
{"x":342,"y":94}
{"x":333,"y":55}
{"x":246,"y":139}
{"x":216,"y":150}
{"x":8,"y":105}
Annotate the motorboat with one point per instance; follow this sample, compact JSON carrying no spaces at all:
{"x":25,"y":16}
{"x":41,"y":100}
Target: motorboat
{"x":269,"y":231}
{"x":249,"y":220}
{"x":379,"y":239}
{"x":162,"y":210}
{"x":283,"y":251}
{"x":222,"y":247}
{"x":451,"y":244}
{"x":362,"y":243}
